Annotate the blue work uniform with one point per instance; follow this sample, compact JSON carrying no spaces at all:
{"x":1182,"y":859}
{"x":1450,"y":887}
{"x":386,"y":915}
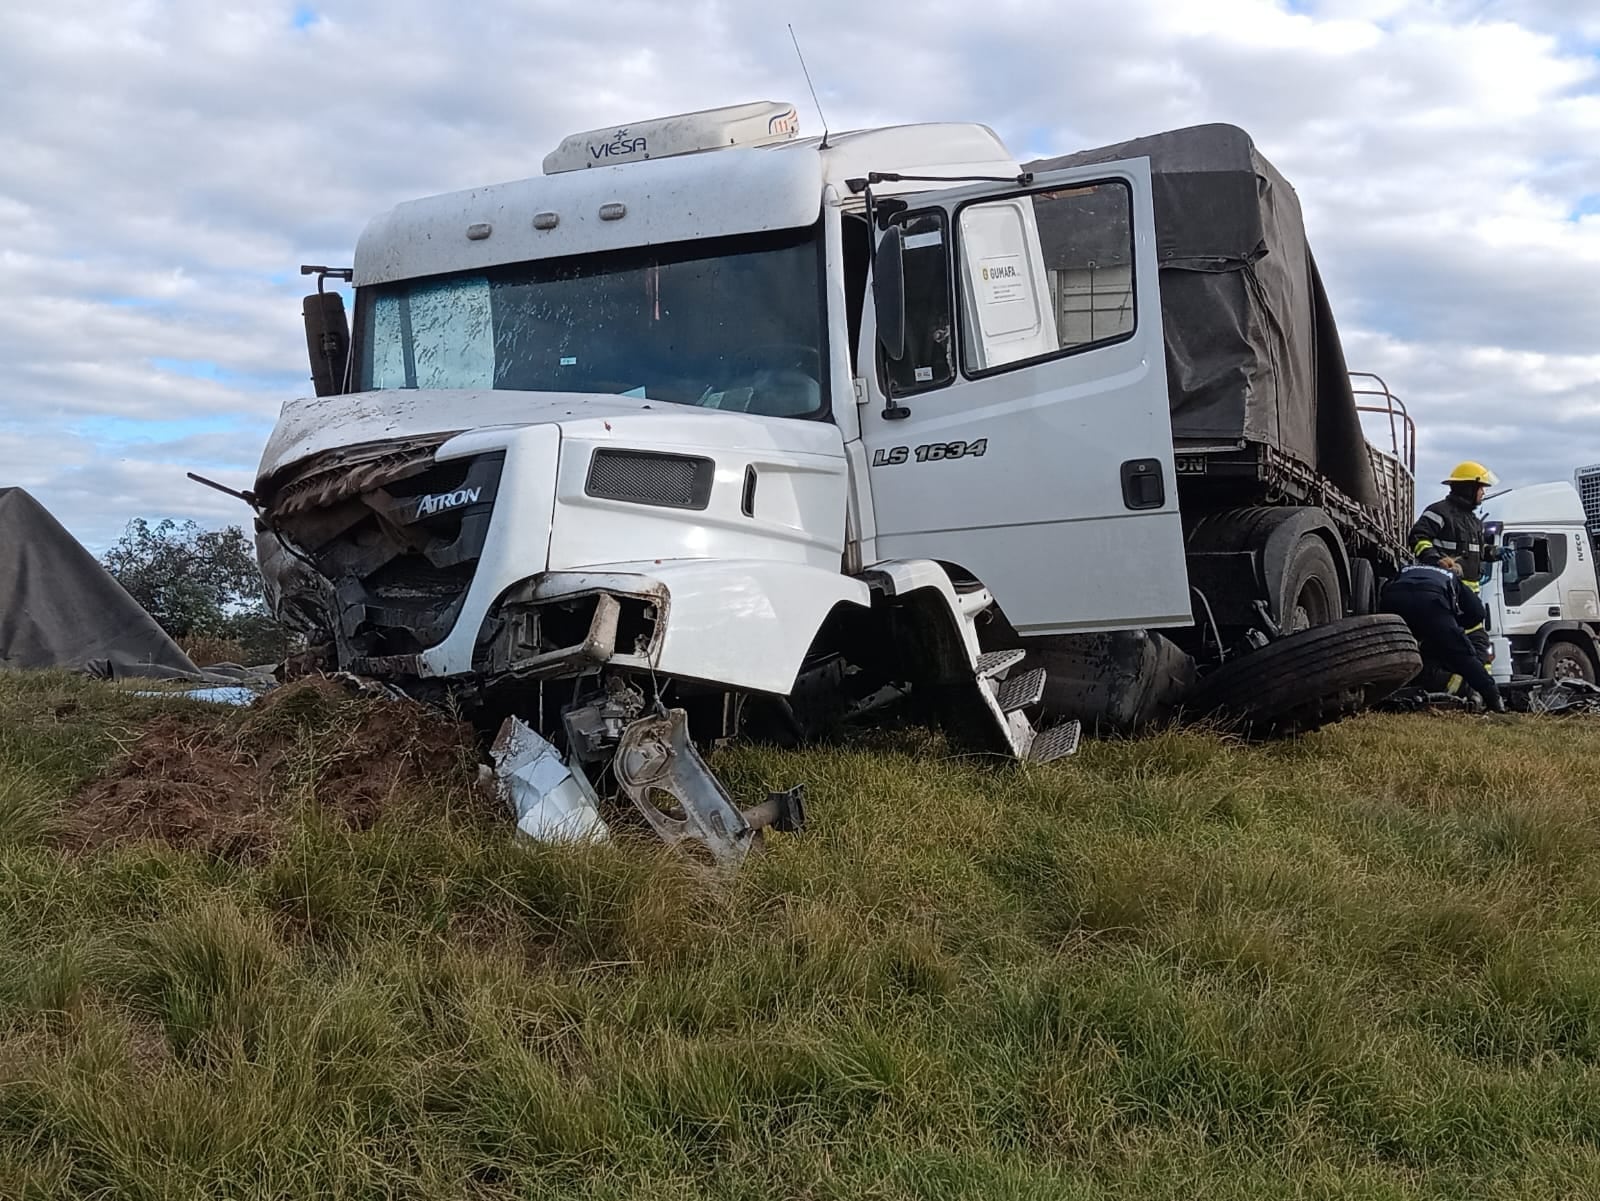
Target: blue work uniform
{"x":1438,"y":609}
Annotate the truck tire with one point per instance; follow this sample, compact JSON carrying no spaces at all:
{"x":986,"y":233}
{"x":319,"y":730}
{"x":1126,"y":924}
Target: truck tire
{"x":1564,"y":660}
{"x":1363,"y":587}
{"x":1311,"y":592}
{"x":1307,"y":679}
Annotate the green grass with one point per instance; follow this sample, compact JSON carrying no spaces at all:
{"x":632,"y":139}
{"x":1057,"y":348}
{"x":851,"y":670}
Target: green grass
{"x":1363,"y":964}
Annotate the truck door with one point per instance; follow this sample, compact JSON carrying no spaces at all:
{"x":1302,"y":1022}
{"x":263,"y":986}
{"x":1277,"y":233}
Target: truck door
{"x":1531,"y":580}
{"x":1024,"y":432}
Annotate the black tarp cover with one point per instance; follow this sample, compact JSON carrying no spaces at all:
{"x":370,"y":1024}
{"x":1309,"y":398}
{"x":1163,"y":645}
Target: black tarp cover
{"x":60,"y":609}
{"x":1252,"y":349}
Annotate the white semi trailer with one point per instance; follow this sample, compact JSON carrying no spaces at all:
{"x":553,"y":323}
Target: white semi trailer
{"x":715,"y":427}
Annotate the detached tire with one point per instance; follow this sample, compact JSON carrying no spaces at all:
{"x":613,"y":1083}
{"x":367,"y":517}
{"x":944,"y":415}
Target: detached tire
{"x":1307,"y":679}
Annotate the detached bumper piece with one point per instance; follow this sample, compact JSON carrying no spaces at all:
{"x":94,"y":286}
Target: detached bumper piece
{"x":664,"y":776}
{"x":658,"y":769}
{"x":551,"y":801}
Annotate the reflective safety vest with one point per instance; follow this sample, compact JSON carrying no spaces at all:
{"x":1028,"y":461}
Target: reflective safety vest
{"x":1450,"y":527}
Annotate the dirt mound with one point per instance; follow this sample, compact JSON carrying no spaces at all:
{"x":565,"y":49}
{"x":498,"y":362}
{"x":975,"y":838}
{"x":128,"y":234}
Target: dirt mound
{"x":228,"y":784}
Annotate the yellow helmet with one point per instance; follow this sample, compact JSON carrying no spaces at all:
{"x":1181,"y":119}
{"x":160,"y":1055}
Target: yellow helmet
{"x":1471,"y":473}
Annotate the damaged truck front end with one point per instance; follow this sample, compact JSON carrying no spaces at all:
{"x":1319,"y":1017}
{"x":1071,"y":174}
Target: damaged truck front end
{"x":603,"y":578}
{"x":591,"y":462}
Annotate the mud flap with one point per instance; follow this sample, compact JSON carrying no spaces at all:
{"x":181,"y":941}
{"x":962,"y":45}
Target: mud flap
{"x":655,"y":755}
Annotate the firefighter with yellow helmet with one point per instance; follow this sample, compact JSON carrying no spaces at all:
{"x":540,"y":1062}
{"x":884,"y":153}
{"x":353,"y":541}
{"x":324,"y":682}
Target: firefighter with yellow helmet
{"x":1451,"y":529}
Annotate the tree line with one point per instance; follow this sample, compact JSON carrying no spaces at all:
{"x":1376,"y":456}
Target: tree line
{"x":202,"y":586}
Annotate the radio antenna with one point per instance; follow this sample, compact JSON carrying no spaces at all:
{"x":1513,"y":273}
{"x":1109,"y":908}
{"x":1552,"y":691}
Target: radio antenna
{"x":807,"y":73}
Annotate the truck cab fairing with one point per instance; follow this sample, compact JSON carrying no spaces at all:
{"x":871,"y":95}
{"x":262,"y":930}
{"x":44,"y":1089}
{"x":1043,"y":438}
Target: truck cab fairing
{"x":422,"y":533}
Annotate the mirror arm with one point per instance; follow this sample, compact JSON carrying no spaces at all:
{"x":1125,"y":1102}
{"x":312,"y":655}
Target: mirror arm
{"x":249,"y":497}
{"x":859,"y":184}
{"x":347,"y":274}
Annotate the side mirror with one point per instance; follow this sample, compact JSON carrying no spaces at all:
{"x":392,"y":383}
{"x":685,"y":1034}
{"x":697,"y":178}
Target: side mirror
{"x":327,"y":340}
{"x":889,"y":292}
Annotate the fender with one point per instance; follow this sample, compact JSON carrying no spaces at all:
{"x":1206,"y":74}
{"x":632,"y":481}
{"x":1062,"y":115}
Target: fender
{"x":926,"y":582}
{"x":1270,"y":534}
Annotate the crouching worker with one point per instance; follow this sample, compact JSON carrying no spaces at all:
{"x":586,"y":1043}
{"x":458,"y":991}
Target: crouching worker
{"x":1439,"y":608}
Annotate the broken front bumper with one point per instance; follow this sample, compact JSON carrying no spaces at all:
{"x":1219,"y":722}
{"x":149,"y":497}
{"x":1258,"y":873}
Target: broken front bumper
{"x":550,"y":627}
{"x":744,"y":625}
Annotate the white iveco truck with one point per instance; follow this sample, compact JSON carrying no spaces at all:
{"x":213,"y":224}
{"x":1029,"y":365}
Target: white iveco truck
{"x":1542,"y":597}
{"x":714,"y":427}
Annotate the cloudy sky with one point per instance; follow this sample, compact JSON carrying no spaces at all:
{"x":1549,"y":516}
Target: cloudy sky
{"x":166,"y":165}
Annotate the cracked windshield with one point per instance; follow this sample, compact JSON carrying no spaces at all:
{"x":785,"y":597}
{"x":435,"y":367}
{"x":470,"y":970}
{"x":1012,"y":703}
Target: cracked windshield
{"x":733,"y":324}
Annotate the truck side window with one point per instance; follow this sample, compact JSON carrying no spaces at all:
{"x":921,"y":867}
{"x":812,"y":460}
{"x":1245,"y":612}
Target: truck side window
{"x":1046,"y":274}
{"x":929,"y":361}
{"x":1544,"y":554}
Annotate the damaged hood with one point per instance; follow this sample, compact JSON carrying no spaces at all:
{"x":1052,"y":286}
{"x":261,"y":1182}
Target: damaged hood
{"x":314,"y":425}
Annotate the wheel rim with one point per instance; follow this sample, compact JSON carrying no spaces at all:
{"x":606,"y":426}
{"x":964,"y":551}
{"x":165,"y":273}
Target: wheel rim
{"x":1569,"y":664}
{"x":1311,"y":606}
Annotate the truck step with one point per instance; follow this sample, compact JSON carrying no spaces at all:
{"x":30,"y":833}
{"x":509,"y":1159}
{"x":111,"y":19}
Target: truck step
{"x":994,"y":663}
{"x":1021,"y":691}
{"x":1055,"y":743}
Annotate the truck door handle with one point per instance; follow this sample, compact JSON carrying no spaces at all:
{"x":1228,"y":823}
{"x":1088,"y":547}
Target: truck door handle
{"x":1142,"y":484}
{"x":1554,"y":611}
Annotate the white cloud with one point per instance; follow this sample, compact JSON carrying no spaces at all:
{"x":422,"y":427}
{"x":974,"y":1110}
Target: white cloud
{"x":166,"y":164}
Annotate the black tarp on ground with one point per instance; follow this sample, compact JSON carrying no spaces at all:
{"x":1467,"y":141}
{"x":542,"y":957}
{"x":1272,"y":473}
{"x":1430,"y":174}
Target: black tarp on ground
{"x":60,"y":609}
{"x":1252,"y":349}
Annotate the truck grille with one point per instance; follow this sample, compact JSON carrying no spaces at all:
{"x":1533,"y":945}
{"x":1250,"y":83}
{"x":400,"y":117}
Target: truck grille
{"x":399,"y":553}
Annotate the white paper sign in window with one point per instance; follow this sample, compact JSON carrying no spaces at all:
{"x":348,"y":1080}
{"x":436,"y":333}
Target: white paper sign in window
{"x":1046,"y":273}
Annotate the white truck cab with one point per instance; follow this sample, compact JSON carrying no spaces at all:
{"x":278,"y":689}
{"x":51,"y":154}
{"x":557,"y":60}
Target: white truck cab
{"x":695,"y":288}
{"x":774,"y":428}
{"x":1542,"y":596}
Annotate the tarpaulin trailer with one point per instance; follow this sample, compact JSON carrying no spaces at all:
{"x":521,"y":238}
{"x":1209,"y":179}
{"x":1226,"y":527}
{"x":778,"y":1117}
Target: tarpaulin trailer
{"x":60,"y":609}
{"x":1266,"y":423}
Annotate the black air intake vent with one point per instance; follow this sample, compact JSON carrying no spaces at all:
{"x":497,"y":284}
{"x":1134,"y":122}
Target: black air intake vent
{"x":647,"y":478}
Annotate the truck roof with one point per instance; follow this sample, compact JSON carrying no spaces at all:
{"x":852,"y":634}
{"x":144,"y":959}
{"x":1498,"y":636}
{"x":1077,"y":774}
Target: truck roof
{"x":928,"y":148}
{"x":708,"y":194}
{"x":1555,"y":503}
